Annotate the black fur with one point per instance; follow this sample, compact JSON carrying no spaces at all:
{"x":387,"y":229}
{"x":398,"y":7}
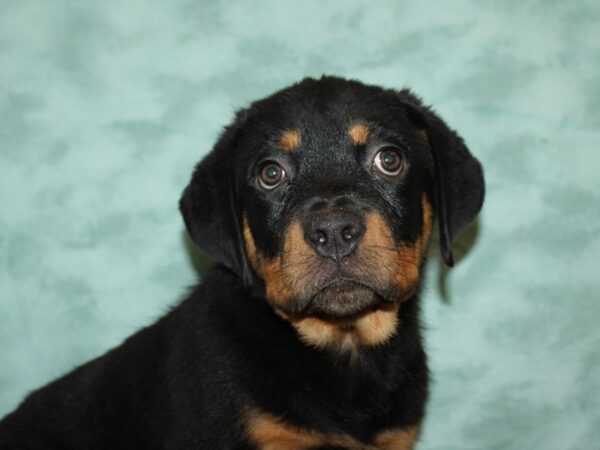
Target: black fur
{"x":459,"y":178}
{"x":187,"y":380}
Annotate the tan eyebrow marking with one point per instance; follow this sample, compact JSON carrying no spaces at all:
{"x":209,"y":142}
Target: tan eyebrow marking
{"x":359,"y":133}
{"x":290,"y":140}
{"x":423,"y":135}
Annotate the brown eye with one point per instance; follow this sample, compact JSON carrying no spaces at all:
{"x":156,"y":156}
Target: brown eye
{"x":271,"y":175}
{"x":388,"y":162}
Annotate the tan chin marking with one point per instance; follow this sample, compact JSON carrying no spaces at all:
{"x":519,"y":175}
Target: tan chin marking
{"x":283,"y":275}
{"x":359,"y":133}
{"x":290,"y":140}
{"x":268,"y":432}
{"x":369,"y":329}
{"x":403,"y":439}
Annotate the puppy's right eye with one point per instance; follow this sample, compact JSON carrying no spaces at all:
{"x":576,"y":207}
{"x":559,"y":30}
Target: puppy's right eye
{"x":271,"y":175}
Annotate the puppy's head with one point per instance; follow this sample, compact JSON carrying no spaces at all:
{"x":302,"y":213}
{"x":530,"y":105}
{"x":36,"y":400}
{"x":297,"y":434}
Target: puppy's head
{"x":324,"y":195}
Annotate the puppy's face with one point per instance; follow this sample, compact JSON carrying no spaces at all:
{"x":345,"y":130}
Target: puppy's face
{"x":323,"y":197}
{"x":336,"y":210}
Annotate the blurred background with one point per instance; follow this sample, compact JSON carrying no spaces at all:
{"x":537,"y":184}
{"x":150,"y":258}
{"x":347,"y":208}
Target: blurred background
{"x":106,"y":106}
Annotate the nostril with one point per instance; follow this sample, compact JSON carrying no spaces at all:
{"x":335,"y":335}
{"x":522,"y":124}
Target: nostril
{"x":350,"y":232}
{"x":318,"y":237}
{"x":333,"y":234}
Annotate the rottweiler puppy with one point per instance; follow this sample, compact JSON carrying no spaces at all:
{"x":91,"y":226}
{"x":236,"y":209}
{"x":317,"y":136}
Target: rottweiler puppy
{"x":318,"y":203}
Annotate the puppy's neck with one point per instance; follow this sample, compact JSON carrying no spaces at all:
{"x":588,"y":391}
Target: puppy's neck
{"x":370,"y":329}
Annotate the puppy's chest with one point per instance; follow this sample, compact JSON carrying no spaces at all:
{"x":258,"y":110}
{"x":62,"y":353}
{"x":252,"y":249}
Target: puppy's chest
{"x":269,"y":432}
{"x":345,"y":407}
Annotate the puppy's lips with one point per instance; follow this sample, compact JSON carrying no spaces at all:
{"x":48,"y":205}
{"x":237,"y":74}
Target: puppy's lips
{"x":329,"y":283}
{"x":342,"y":297}
{"x":341,"y":285}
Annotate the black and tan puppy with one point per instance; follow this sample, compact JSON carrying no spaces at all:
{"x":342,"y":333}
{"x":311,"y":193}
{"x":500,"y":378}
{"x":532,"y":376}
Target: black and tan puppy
{"x":318,"y":202}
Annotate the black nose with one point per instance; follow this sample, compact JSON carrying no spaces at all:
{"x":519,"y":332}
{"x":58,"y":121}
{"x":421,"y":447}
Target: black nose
{"x":333,"y":233}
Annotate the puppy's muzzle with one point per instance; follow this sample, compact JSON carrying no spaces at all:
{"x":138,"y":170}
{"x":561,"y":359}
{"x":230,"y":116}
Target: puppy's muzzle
{"x":333,"y":232}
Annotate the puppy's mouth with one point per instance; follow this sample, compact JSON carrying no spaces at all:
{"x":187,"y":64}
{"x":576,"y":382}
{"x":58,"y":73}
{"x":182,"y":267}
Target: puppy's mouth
{"x":341,"y":298}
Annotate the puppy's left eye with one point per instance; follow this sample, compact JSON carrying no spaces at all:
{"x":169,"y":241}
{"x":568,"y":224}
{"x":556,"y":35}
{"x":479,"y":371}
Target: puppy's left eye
{"x":271,"y":175}
{"x":388,"y":162}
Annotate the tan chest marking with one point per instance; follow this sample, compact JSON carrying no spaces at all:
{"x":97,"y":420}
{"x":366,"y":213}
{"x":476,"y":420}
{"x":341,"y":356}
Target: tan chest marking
{"x":268,"y":432}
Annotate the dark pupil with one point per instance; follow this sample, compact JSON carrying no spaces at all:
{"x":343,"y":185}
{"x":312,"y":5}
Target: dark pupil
{"x":390,"y":160}
{"x":271,"y":172}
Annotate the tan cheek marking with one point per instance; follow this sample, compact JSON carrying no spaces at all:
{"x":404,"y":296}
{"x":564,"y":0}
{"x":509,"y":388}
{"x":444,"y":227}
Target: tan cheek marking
{"x":290,"y":140}
{"x":400,"y":266}
{"x":253,"y":256}
{"x":411,"y":256}
{"x":359,"y":133}
{"x":398,"y":439}
{"x":283,"y":275}
{"x":378,"y":249}
{"x":270,"y":433}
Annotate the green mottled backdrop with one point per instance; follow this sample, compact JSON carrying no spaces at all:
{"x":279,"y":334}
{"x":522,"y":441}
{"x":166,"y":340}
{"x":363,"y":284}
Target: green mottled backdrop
{"x":106,"y":106}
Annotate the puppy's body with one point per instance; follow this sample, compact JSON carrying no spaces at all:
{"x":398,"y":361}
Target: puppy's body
{"x":200,"y":376}
{"x":319,"y":202}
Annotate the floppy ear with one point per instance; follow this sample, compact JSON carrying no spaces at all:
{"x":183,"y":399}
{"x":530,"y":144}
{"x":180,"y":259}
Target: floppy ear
{"x":459,"y":183}
{"x":209,"y":205}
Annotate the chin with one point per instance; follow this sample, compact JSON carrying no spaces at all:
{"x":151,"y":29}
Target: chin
{"x":343,"y":299}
